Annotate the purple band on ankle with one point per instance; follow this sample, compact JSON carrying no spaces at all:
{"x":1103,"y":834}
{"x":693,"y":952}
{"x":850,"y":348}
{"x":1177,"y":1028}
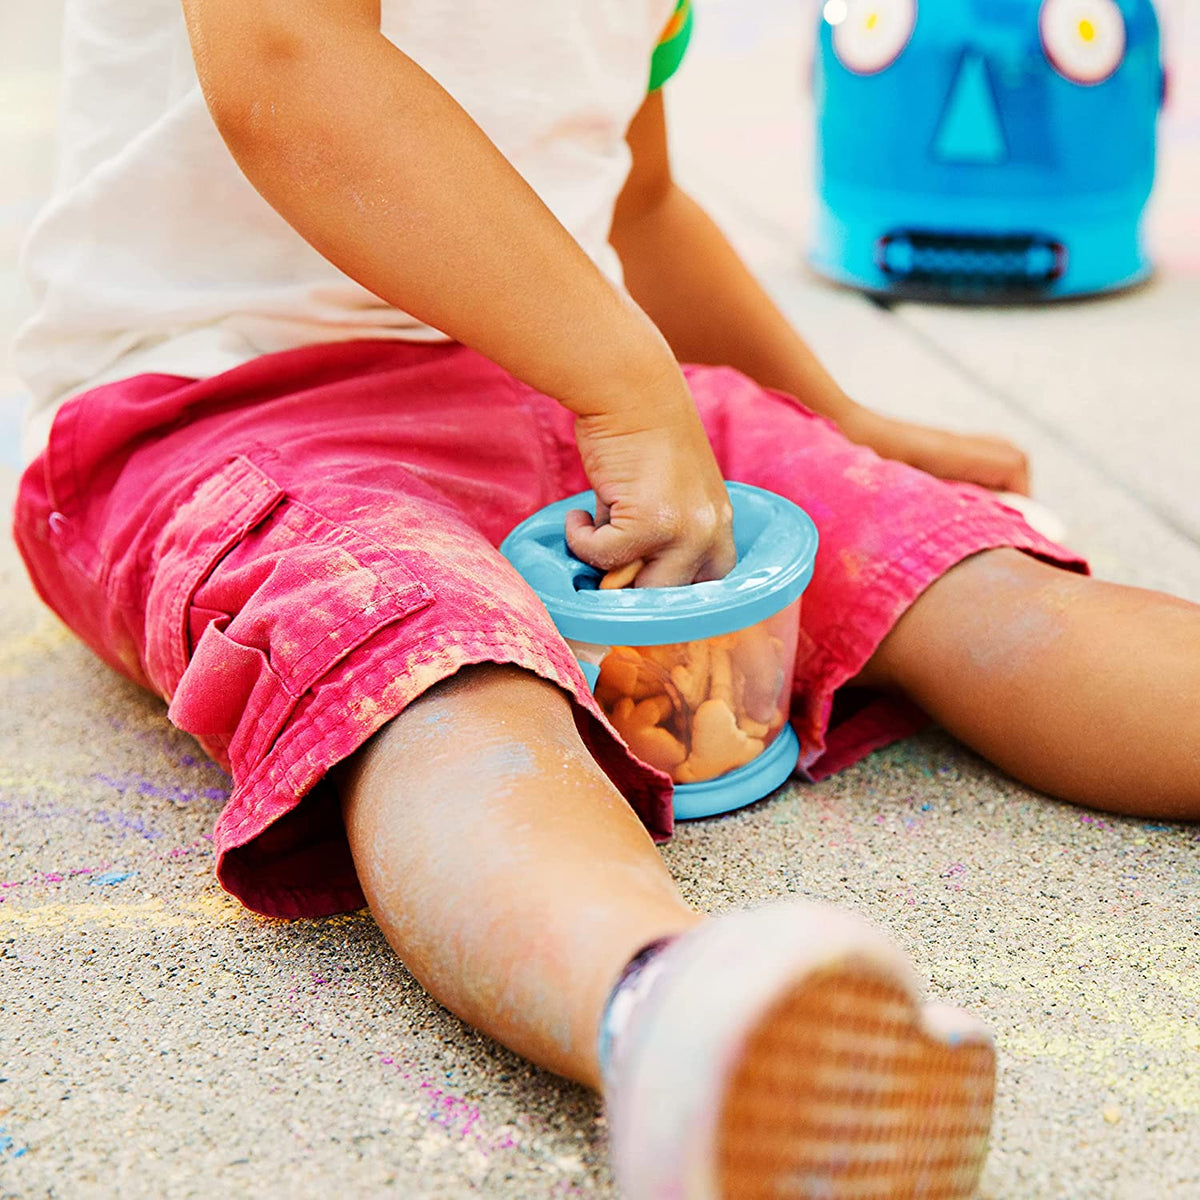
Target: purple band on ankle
{"x":634,"y":982}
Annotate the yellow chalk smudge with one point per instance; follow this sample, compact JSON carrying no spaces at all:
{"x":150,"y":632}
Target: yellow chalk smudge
{"x":131,"y":914}
{"x":209,"y":910}
{"x":18,"y":655}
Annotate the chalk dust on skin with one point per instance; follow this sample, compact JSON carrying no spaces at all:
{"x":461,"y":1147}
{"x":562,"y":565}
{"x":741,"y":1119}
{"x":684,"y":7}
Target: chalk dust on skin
{"x":488,"y":775}
{"x":446,"y":888}
{"x":1002,"y":643}
{"x":526,"y":996}
{"x":437,"y":756}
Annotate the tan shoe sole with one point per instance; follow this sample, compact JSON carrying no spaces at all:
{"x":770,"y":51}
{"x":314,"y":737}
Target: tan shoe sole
{"x":845,"y":1090}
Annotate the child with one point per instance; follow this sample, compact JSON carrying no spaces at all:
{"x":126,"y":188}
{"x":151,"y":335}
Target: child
{"x":311,"y":340}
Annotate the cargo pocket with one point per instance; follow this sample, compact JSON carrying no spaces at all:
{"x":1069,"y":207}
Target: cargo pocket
{"x":256,"y":597}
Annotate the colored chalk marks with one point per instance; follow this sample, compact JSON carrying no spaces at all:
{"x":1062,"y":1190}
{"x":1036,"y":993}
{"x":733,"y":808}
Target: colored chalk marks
{"x":24,"y":654}
{"x":108,"y":878}
{"x":135,"y":914}
{"x":121,"y":823}
{"x":177,"y":794}
{"x":10,"y":1148}
{"x":464,"y":1124}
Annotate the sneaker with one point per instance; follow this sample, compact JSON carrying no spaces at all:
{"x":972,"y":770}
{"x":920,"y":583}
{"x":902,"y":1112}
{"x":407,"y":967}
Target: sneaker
{"x":782,"y":1052}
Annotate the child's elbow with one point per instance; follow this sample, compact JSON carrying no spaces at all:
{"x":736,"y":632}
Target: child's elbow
{"x":259,"y":63}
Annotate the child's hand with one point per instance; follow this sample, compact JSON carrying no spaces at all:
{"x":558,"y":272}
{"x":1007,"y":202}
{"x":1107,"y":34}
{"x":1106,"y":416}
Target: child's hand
{"x":659,"y":497}
{"x":991,"y":462}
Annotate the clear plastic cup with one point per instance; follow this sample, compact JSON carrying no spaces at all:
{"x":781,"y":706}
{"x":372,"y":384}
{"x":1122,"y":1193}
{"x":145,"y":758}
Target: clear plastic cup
{"x":699,"y":709}
{"x":695,"y":679}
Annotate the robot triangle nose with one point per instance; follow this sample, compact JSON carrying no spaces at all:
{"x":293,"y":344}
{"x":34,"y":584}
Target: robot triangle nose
{"x":969,"y":130}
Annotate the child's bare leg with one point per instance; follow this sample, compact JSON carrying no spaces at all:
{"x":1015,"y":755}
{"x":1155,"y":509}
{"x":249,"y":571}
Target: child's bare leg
{"x":501,"y":864}
{"x":1087,"y":690}
{"x":516,"y":884}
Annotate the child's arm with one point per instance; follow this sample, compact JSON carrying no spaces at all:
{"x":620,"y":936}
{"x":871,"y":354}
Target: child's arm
{"x":681,"y":269}
{"x":381,"y":170}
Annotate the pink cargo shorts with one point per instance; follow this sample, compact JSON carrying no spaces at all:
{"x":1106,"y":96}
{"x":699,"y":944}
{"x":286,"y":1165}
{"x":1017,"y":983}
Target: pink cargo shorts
{"x":290,"y":552}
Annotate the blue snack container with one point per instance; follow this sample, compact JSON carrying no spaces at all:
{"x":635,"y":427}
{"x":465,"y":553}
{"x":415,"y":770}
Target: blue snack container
{"x":696,"y":679}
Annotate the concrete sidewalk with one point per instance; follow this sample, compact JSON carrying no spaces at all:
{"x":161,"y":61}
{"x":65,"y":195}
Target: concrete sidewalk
{"x":157,"y":1040}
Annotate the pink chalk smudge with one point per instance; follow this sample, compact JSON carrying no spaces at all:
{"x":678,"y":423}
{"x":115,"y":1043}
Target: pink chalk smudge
{"x":952,"y":873}
{"x":460,"y":1118}
{"x":45,"y":878}
{"x":456,"y":1114}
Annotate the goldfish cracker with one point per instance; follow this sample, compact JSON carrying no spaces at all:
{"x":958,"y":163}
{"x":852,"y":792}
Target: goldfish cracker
{"x":692,"y":676}
{"x":618,"y":673}
{"x":628,"y":714}
{"x":622,"y":576}
{"x":624,"y":672}
{"x":697,"y":709}
{"x":665,"y":657}
{"x":652,"y":680}
{"x":654,"y":710}
{"x":753,"y":728}
{"x":718,"y":745}
{"x":621,"y":715}
{"x":638,"y":724}
{"x":657,"y":746}
{"x":720,"y":684}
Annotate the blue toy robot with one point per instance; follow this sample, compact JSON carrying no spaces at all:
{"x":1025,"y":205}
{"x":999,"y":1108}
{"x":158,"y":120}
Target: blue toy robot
{"x":985,"y":149}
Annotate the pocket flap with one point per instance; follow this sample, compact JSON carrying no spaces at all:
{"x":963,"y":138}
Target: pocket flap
{"x":221,"y":511}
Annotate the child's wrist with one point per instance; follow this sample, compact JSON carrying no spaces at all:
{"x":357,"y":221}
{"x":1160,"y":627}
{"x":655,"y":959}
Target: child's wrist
{"x":638,"y":377}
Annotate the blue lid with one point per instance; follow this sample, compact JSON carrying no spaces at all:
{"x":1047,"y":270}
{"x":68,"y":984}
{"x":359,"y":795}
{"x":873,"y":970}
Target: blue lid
{"x":776,"y":545}
{"x":735,"y":789}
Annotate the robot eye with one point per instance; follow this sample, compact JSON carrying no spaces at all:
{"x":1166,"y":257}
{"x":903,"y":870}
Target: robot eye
{"x":868,"y":35}
{"x":1084,"y":40}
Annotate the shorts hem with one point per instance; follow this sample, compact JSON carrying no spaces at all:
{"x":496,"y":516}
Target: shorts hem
{"x":327,"y":733}
{"x":884,"y":599}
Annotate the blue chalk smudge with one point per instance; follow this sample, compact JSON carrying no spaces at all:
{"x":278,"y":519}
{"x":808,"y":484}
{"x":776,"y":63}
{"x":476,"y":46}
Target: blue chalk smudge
{"x":111,"y":877}
{"x":8,"y":1145}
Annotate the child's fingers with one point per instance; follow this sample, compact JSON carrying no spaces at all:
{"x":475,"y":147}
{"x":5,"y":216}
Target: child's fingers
{"x":609,"y":549}
{"x":673,"y":568}
{"x":602,"y":546}
{"x":719,"y":563}
{"x":1016,"y":468}
{"x":992,"y":462}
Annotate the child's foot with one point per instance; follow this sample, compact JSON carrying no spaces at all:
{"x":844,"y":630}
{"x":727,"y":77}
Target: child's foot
{"x":782,"y":1053}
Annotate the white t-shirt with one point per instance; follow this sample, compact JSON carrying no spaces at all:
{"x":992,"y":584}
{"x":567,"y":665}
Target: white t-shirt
{"x":156,"y":254}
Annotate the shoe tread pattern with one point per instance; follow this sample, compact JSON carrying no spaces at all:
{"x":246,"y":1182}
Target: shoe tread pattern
{"x":839,"y":1094}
